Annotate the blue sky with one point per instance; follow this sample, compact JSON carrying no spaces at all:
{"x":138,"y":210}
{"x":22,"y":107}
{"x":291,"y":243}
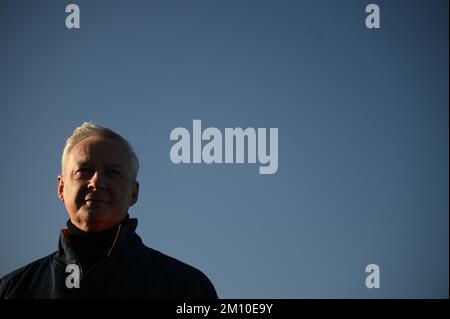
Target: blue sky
{"x":363,"y":136}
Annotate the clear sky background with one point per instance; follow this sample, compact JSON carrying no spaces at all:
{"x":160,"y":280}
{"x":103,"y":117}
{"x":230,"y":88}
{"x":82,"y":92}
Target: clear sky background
{"x":363,"y":136}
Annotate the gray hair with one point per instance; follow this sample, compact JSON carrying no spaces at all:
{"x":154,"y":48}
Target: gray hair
{"x":88,"y":129}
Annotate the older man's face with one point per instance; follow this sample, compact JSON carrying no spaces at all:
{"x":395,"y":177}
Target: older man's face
{"x":96,"y":186}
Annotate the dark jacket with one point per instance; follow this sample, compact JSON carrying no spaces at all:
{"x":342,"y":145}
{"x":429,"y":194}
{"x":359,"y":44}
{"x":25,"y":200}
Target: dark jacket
{"x":131,"y":270}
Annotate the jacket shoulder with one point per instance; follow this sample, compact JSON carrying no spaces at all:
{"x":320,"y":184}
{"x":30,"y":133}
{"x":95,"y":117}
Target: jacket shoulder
{"x":22,"y":277}
{"x":184,"y":280}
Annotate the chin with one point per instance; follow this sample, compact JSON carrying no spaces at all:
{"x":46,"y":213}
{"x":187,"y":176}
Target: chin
{"x":94,"y":220}
{"x":96,"y":215}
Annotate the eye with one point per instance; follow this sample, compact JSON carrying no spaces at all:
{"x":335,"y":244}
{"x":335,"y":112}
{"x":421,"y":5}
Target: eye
{"x":113,"y":173}
{"x":84,"y":172}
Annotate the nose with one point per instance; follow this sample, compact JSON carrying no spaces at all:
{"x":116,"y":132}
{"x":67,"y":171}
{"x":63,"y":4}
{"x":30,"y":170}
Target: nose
{"x":97,"y":182}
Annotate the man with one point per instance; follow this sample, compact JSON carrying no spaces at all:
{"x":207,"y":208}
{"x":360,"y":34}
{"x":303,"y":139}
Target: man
{"x":100,"y":255}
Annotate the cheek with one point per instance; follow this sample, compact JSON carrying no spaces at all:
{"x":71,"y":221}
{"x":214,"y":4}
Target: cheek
{"x":121,"y":195}
{"x":73,"y":192}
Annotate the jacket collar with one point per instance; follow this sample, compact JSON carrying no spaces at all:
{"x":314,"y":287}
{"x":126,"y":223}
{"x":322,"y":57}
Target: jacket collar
{"x":66,"y":254}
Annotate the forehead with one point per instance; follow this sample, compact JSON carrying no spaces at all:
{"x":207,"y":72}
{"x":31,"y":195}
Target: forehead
{"x":99,"y":150}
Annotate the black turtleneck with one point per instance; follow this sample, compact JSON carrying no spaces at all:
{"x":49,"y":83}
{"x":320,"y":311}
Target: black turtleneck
{"x":91,"y":247}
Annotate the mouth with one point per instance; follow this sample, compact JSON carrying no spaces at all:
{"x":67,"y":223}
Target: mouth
{"x":95,"y":200}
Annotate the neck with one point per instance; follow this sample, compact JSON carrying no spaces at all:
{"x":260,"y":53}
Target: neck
{"x":91,"y":247}
{"x":93,"y":226}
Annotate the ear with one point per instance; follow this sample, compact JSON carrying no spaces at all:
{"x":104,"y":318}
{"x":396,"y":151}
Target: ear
{"x":134,"y":193}
{"x":60,"y":188}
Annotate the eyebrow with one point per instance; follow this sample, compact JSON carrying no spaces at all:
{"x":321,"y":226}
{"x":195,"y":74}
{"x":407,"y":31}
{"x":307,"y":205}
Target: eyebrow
{"x":113,"y":166}
{"x":106,"y":165}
